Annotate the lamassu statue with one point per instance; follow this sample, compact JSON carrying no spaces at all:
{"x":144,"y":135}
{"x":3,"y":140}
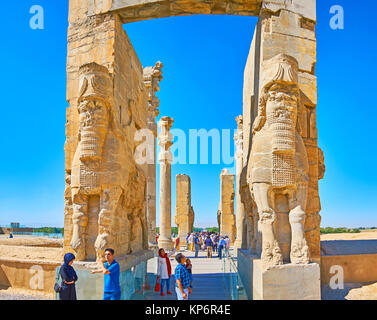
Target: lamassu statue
{"x":279,"y":164}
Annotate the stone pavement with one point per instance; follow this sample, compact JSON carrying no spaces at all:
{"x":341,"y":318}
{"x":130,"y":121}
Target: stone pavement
{"x":208,"y":280}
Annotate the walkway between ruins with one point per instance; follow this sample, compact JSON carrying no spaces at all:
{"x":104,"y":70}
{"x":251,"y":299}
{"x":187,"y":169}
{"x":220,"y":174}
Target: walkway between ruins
{"x":208,"y":279}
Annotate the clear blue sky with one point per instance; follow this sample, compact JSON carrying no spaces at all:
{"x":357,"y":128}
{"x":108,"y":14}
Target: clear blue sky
{"x":204,"y":58}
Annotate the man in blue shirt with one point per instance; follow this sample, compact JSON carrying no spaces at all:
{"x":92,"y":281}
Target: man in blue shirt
{"x":182,"y":278}
{"x":197,"y":246}
{"x":111,"y":271}
{"x":222,"y":244}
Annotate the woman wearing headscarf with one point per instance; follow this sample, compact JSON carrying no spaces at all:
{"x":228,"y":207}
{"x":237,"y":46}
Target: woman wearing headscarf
{"x":69,"y":277}
{"x":177,"y":243}
{"x":164,"y":270}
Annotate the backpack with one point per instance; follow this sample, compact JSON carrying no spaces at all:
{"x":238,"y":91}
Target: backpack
{"x":57,"y":287}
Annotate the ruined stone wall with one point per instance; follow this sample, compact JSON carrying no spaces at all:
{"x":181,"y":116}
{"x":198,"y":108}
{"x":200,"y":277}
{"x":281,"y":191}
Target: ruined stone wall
{"x":283,"y":31}
{"x":227,"y":219}
{"x":115,"y":208}
{"x":184,"y":213}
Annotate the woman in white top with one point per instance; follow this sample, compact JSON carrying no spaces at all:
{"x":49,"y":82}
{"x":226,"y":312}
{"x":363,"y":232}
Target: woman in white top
{"x":191,"y":242}
{"x":164,"y":270}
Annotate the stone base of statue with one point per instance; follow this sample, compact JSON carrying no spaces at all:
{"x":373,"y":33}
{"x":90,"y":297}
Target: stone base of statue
{"x":286,"y":282}
{"x":166,"y":244}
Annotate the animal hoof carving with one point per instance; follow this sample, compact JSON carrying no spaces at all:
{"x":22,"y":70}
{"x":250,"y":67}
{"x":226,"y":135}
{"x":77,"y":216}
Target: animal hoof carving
{"x":267,"y":216}
{"x":300,"y":252}
{"x":271,"y":255}
{"x":75,"y":242}
{"x":101,"y":241}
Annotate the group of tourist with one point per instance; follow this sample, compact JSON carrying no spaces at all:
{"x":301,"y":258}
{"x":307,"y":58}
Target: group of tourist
{"x":111,"y":270}
{"x":108,"y":266}
{"x":209,"y":242}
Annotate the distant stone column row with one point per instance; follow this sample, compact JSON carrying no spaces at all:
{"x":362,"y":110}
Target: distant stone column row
{"x":152,"y":78}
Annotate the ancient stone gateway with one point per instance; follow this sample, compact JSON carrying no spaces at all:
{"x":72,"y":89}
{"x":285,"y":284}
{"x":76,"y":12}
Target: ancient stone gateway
{"x":108,"y":201}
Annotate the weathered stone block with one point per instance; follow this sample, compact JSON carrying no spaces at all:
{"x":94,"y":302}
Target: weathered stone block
{"x":286,"y":282}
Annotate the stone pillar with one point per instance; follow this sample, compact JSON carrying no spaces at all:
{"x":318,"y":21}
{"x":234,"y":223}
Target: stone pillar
{"x":241,"y":238}
{"x":184,"y":213}
{"x":165,"y":158}
{"x":152,"y":78}
{"x":227,"y":219}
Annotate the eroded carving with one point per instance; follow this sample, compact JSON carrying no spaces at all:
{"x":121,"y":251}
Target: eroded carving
{"x":279,"y":164}
{"x":96,"y":184}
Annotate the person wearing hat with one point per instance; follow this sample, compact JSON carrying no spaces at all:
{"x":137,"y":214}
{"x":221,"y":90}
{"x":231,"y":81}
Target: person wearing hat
{"x":69,"y":278}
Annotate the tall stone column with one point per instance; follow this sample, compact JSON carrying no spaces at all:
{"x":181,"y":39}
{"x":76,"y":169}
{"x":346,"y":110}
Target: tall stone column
{"x":165,"y":158}
{"x":241,"y":238}
{"x":226,"y":217}
{"x":184,"y":212}
{"x":152,"y":78}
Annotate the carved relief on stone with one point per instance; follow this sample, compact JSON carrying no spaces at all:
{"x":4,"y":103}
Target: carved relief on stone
{"x":321,"y":164}
{"x":165,"y":140}
{"x":152,"y":78}
{"x":279,"y":164}
{"x":98,"y":198}
{"x":238,"y":138}
{"x":241,"y":218}
{"x":94,"y":105}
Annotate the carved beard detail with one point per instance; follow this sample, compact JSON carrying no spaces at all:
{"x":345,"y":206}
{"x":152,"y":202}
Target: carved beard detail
{"x":94,"y":120}
{"x":281,"y":112}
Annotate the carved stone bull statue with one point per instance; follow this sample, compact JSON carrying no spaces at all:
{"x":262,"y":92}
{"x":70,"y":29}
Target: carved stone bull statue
{"x":279,"y":164}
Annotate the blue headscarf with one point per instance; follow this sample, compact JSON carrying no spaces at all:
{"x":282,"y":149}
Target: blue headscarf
{"x":68,"y":257}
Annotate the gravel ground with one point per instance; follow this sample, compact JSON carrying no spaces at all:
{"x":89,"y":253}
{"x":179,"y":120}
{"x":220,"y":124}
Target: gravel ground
{"x":8,"y":296}
{"x":19,"y":294}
